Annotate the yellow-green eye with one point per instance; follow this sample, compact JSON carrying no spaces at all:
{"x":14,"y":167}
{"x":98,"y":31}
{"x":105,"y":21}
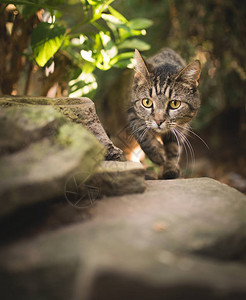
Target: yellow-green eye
{"x":174,"y":104}
{"x":147,"y":103}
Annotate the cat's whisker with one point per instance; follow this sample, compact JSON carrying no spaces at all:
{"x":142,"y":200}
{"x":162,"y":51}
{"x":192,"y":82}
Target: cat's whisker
{"x":186,"y":140}
{"x":184,"y":145}
{"x":134,"y":134}
{"x":184,"y":135}
{"x":189,"y":146}
{"x":194,"y":134}
{"x":140,"y":131}
{"x":137,"y":129}
{"x":177,"y":138}
{"x":188,"y":151}
{"x":143,"y":134}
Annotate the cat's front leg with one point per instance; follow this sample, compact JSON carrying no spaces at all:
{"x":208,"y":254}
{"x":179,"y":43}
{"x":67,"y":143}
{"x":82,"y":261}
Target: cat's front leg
{"x":152,"y":148}
{"x":172,"y":150}
{"x":147,"y":140}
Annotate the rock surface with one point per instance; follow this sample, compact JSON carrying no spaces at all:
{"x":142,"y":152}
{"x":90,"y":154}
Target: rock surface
{"x":120,"y":178}
{"x":40,"y":149}
{"x":181,"y":239}
{"x":111,"y":178}
{"x":78,"y":110}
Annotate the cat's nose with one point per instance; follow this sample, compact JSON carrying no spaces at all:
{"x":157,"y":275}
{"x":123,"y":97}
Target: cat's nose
{"x":159,"y":122}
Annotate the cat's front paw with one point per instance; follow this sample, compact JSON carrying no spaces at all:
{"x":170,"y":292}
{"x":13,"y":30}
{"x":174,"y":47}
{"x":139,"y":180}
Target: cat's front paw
{"x":171,"y":174}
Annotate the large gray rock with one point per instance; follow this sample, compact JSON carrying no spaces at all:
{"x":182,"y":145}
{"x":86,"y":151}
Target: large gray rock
{"x":40,"y":149}
{"x":79,"y":110}
{"x":181,"y":239}
{"x":111,"y":178}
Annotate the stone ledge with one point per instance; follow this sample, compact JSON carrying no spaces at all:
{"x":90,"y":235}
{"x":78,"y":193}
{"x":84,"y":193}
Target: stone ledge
{"x":152,"y":245}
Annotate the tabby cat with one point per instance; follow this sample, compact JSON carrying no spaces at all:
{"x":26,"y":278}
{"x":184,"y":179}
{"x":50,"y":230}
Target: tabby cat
{"x":164,"y":101}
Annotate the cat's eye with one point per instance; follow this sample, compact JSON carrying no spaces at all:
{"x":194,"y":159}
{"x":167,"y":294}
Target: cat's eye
{"x":174,"y":104}
{"x":147,"y":103}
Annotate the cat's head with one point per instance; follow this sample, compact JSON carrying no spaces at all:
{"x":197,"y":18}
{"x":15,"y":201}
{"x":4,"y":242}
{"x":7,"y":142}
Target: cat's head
{"x":165,"y":96}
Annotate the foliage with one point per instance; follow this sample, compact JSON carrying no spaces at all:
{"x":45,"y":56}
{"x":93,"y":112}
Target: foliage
{"x":91,"y":34}
{"x":46,"y":40}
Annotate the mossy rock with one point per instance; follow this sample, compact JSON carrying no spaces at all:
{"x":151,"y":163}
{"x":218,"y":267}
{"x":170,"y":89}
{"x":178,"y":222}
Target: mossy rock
{"x":79,"y":110}
{"x":40,"y":150}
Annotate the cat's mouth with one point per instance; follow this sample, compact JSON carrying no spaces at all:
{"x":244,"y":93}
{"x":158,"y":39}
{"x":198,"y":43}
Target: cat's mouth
{"x":162,"y":128}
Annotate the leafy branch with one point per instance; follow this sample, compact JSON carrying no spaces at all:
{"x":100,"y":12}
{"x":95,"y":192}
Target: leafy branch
{"x":101,"y":38}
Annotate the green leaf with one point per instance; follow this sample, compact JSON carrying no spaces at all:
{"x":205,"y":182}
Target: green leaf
{"x":122,"y":64}
{"x":84,"y":84}
{"x":45,"y":41}
{"x":117,"y":15}
{"x":77,"y":85}
{"x":140,"y":23}
{"x":95,"y":2}
{"x":126,"y":33}
{"x":122,"y":56}
{"x":99,"y":9}
{"x":105,"y":63}
{"x":88,"y":67}
{"x":115,"y":24}
{"x":111,"y":18}
{"x":134,"y":43}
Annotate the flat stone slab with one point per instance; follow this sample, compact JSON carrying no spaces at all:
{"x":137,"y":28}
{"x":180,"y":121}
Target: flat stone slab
{"x":111,"y":178}
{"x":181,"y":239}
{"x":119,"y":178}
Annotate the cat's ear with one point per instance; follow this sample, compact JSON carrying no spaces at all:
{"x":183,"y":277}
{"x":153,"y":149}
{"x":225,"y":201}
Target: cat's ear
{"x":191,"y":73}
{"x":141,"y":66}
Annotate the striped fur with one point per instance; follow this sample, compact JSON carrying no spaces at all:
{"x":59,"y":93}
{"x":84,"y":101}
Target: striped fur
{"x":162,"y":79}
